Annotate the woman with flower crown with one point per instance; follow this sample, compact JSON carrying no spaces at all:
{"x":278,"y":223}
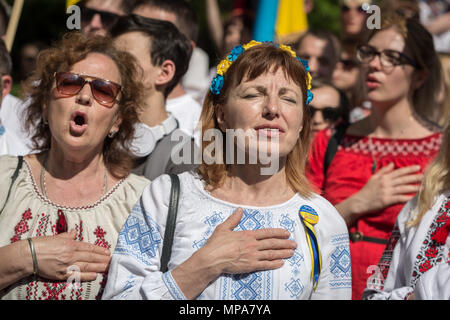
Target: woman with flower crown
{"x":247,"y":228}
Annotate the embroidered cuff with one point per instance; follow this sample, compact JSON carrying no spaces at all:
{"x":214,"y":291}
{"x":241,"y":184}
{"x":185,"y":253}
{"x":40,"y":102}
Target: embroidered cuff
{"x":172,"y":286}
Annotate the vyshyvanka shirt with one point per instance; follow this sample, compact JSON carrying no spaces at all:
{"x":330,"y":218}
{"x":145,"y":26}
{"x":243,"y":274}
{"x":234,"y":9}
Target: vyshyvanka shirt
{"x":135,"y":265}
{"x":416,"y":259}
{"x":29,"y":214}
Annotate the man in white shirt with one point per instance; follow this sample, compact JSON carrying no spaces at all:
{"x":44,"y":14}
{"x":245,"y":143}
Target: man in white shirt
{"x":182,"y":105}
{"x":163,"y":54}
{"x":13,"y":138}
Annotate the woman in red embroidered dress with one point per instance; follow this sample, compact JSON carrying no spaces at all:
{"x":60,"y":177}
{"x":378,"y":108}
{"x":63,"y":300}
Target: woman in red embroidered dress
{"x":379,"y":160}
{"x":64,"y":211}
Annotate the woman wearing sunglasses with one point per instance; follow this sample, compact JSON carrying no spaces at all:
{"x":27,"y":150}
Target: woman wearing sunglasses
{"x":62,"y":211}
{"x":329,"y":108}
{"x":379,"y":160}
{"x":353,"y":18}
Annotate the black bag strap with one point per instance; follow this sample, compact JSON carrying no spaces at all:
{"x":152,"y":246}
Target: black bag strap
{"x":171,"y":222}
{"x":13,"y":179}
{"x":333,"y":145}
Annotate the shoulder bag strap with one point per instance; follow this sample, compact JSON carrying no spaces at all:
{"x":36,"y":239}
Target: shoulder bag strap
{"x":171,"y":222}
{"x":333,"y":145}
{"x":13,"y":179}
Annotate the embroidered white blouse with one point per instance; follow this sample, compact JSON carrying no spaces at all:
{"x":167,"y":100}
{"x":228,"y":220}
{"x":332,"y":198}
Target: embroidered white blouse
{"x":413,"y":262}
{"x":29,"y":214}
{"x":134,"y":270}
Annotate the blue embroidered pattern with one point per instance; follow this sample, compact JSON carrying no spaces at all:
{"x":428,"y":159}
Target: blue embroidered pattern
{"x":249,"y":286}
{"x":128,"y":287}
{"x":287,"y":223}
{"x":340,"y":266}
{"x":295,"y":288}
{"x":139,"y":238}
{"x":172,"y":286}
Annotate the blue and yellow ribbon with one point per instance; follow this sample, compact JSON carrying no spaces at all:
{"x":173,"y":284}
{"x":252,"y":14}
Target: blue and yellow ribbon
{"x":309,"y":218}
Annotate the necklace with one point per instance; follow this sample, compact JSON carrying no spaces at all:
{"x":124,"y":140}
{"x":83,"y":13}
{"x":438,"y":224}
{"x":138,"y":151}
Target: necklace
{"x":43,"y":186}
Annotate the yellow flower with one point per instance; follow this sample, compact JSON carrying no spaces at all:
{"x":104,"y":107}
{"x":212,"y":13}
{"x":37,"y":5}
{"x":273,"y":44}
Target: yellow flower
{"x":288,"y":49}
{"x":250,"y":44}
{"x":309,"y":81}
{"x":223,"y":66}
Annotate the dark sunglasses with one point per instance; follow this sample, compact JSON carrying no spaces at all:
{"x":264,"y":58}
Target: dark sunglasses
{"x":349,"y":63}
{"x":108,"y":18}
{"x":329,"y":114}
{"x":346,"y":9}
{"x":104,"y":91}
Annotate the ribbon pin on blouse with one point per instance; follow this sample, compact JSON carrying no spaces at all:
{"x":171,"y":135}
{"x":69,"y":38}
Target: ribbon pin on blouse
{"x":309,"y":218}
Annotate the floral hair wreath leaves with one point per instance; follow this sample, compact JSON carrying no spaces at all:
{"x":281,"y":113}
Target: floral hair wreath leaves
{"x":224,"y":65}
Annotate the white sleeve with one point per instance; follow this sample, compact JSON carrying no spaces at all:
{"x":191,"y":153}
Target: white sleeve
{"x":134,"y":270}
{"x":434,"y":284}
{"x":335,"y":282}
{"x":387,"y":281}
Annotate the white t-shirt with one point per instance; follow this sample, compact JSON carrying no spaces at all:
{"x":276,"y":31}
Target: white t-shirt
{"x":135,"y":273}
{"x":14,"y":140}
{"x":441,"y":41}
{"x":187,"y":112}
{"x":196,"y":81}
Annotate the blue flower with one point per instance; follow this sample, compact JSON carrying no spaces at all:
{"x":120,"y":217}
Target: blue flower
{"x":235,"y":53}
{"x":305,"y":63}
{"x":310,"y":97}
{"x":216,"y":84}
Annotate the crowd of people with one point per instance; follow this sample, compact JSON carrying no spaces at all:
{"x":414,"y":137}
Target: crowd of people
{"x":317,"y":169}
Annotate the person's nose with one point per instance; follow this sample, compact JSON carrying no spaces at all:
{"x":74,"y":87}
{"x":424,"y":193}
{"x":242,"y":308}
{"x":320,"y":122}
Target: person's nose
{"x":96,"y":22}
{"x":375,"y":63}
{"x":313,"y":65}
{"x":84,"y":97}
{"x":271,"y":106}
{"x":317,"y":118}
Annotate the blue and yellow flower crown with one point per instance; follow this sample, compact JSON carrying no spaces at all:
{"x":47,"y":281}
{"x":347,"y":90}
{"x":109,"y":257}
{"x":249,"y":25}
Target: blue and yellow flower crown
{"x":222,"y":67}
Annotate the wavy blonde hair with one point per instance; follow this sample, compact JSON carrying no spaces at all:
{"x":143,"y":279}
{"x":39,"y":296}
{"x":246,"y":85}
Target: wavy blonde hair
{"x":252,"y":63}
{"x":436,"y":179}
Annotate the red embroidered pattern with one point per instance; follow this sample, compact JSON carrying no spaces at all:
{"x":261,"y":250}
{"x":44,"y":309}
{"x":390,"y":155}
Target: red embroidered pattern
{"x":22,"y":227}
{"x":100,"y":234}
{"x":385,"y":261}
{"x":56,"y":290}
{"x":384,"y":147}
{"x":432,"y":250}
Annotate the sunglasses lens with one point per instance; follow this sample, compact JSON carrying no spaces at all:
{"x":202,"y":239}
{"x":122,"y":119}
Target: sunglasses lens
{"x":330,"y":114}
{"x":68,"y":83}
{"x":345,"y":8}
{"x":104,"y":91}
{"x":108,"y":19}
{"x":86,"y":14}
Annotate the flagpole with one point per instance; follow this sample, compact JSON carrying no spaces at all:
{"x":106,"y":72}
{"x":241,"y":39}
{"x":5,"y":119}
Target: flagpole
{"x":13,"y":22}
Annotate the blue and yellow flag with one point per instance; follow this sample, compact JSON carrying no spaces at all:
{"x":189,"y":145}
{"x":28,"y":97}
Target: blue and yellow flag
{"x":282,"y":21}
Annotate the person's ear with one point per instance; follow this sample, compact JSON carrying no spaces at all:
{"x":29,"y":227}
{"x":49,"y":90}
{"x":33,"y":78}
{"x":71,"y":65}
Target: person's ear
{"x":6,"y":85}
{"x":117,"y":122}
{"x":166,"y":73}
{"x":220,"y":117}
{"x":419,"y":78}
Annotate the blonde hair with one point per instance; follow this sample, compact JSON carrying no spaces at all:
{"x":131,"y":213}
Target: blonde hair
{"x":251,"y":64}
{"x":436,"y":179}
